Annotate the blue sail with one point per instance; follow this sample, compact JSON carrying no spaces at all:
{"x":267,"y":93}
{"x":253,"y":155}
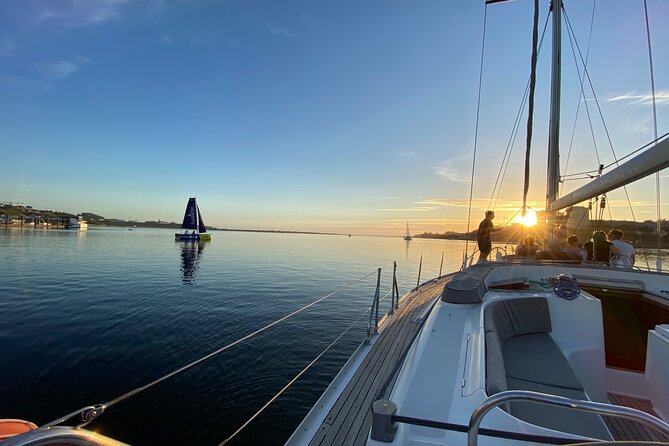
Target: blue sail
{"x":201,"y":229}
{"x":190,"y":217}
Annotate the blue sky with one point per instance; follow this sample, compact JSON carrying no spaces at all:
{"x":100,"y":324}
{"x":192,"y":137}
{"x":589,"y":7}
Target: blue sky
{"x":305,"y":115}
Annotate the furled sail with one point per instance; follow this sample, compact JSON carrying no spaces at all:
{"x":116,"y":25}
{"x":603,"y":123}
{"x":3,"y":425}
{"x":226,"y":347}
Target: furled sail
{"x":191,"y":215}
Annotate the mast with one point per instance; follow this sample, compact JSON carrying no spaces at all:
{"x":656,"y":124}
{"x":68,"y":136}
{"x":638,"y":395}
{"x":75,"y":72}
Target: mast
{"x":553,"y":180}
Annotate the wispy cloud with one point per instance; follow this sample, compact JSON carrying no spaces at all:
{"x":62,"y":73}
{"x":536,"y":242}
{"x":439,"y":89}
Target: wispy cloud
{"x":411,"y":209}
{"x":281,"y":32}
{"x":78,"y":13}
{"x":454,"y":169}
{"x":407,"y":154}
{"x":166,"y":39}
{"x":63,"y":68}
{"x":452,"y":174}
{"x":481,"y":203}
{"x":634,"y":98}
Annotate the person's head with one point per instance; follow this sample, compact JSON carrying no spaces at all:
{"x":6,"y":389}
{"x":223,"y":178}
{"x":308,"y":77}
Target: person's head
{"x":616,"y":234}
{"x":598,"y":236}
{"x":529,"y":240}
{"x":572,"y":240}
{"x":489,"y":215}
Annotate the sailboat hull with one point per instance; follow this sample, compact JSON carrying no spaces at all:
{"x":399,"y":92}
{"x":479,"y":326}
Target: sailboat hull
{"x":191,"y":237}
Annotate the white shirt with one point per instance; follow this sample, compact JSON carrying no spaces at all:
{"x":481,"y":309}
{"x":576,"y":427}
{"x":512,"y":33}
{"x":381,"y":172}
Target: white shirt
{"x":624,"y":259}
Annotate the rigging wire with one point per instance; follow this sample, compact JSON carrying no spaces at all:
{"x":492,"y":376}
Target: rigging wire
{"x":295,"y":378}
{"x":530,"y":107}
{"x":581,"y":94}
{"x":658,"y":263}
{"x":606,"y":130}
{"x":514,"y":132}
{"x":476,"y":131}
{"x":308,"y":366}
{"x":92,"y":412}
{"x":653,"y":142}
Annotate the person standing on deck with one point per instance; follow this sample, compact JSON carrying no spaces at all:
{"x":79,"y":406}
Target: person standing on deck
{"x":485,"y":228}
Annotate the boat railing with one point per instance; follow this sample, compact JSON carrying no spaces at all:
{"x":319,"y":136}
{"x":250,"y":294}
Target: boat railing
{"x":385,"y":419}
{"x":554,"y":400}
{"x":373,"y":328}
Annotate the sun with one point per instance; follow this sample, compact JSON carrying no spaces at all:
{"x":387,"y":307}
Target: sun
{"x":530,"y":218}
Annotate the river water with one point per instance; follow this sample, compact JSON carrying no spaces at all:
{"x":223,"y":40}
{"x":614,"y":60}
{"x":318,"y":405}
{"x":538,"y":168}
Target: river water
{"x":90,"y":315}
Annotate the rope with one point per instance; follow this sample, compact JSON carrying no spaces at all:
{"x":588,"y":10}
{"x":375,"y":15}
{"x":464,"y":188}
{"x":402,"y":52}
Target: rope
{"x":530,"y":107}
{"x":476,"y":131}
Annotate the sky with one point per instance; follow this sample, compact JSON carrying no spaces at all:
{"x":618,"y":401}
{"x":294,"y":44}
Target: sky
{"x":320,"y":115}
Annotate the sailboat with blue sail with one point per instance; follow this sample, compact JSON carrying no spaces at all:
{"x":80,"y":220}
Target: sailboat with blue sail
{"x":193,"y":225}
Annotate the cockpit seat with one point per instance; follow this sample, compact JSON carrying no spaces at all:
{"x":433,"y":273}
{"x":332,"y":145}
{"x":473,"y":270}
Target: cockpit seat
{"x":521,"y":355}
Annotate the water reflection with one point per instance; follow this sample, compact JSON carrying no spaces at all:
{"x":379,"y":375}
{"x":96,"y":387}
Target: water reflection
{"x":191,"y":251}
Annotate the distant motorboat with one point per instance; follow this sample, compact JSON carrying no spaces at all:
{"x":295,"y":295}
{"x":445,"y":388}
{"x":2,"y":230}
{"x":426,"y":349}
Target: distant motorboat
{"x":193,"y":226}
{"x":76,"y":223}
{"x":408,"y":236}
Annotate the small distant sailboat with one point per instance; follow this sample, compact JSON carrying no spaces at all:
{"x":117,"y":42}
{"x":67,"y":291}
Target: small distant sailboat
{"x":193,"y":225}
{"x":408,"y":236}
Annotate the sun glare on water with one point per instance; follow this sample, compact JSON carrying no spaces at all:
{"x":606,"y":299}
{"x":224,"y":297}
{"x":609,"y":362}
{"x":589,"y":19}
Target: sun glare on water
{"x":530,"y":218}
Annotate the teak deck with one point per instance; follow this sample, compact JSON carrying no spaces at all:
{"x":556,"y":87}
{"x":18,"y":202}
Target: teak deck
{"x":350,"y":419}
{"x":624,"y":429}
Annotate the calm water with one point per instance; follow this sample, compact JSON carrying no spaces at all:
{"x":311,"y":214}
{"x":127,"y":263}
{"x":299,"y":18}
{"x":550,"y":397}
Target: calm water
{"x":88,"y":316}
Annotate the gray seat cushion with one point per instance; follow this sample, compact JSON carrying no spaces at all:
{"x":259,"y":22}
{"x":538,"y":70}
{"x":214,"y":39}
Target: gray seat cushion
{"x":503,"y":320}
{"x":537,"y":358}
{"x":557,"y":418}
{"x":521,"y":355}
{"x":517,"y":317}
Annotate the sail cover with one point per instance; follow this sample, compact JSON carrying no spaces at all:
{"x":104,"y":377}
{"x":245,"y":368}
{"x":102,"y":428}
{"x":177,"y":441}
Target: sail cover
{"x":190,"y":217}
{"x":201,"y":228}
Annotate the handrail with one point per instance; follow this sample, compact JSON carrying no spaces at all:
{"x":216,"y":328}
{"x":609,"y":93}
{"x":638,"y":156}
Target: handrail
{"x":374,"y":310}
{"x":554,"y":400}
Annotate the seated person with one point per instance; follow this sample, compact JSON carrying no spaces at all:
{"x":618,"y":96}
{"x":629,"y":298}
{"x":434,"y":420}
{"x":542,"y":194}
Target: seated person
{"x":599,"y":249}
{"x":528,"y":248}
{"x":623,"y":253}
{"x":574,"y":251}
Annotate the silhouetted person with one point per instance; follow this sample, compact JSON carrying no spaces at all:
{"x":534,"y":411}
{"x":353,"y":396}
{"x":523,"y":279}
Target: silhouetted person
{"x":528,"y":248}
{"x":574,"y":251}
{"x":485,"y":229}
{"x":599,"y":249}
